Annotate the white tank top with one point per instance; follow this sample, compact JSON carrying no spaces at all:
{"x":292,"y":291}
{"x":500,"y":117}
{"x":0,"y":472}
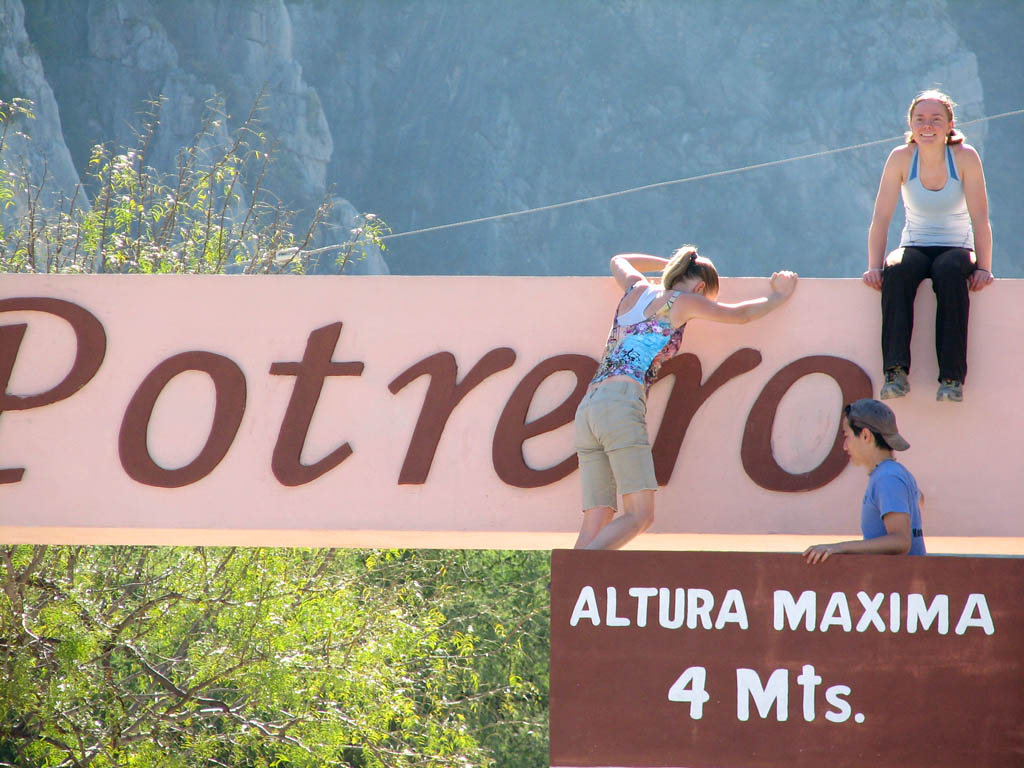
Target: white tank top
{"x":936,"y":216}
{"x":636,"y":313}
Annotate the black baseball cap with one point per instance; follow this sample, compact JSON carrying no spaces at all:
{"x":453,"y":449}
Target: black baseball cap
{"x":878,"y":417}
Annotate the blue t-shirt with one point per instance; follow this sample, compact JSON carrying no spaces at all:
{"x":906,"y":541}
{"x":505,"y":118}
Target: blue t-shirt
{"x":891,"y":488}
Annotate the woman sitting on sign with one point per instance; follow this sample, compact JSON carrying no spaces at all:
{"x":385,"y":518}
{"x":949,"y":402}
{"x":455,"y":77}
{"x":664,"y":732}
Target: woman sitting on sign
{"x":611,"y":429}
{"x":947,"y":237}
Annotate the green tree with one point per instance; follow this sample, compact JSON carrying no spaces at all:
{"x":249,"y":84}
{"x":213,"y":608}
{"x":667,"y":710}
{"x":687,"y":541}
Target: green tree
{"x":497,"y":609}
{"x":212,"y":214}
{"x":142,"y":656}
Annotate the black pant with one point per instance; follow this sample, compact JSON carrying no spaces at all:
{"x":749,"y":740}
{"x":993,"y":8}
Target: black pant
{"x":948,"y":269}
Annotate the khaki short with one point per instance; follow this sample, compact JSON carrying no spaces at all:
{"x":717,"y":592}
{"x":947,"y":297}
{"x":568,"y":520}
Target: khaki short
{"x":612,"y":443}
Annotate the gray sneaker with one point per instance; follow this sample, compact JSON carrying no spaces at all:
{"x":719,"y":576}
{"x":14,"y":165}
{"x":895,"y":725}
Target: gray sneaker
{"x":950,"y":390}
{"x":896,"y":384}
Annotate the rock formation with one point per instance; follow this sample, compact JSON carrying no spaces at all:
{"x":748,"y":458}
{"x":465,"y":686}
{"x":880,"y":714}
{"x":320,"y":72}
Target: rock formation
{"x":430,"y":112}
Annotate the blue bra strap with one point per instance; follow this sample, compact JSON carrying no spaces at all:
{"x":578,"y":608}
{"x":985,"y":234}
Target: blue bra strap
{"x":913,"y":167}
{"x":952,"y":165}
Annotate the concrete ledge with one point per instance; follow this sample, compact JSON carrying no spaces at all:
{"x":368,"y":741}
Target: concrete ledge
{"x":937,"y":545}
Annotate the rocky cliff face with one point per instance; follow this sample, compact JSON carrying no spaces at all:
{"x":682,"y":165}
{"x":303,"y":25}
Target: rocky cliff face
{"x":430,"y":112}
{"x":39,"y":144}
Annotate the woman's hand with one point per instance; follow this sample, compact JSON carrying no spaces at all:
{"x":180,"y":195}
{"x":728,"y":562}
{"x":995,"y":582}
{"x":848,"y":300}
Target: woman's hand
{"x":873,"y":277}
{"x":980,"y":278}
{"x":784,"y":282}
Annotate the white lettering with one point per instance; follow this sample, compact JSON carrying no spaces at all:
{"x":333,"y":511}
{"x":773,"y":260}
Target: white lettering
{"x":586,"y":608}
{"x":917,"y":612}
{"x":694,"y":607}
{"x":871,"y":607}
{"x":920,"y":615}
{"x":689,"y":686}
{"x":642,"y":594}
{"x":748,"y":684}
{"x":837,"y":613}
{"x":788,"y":609}
{"x":665,"y":603}
{"x":834,"y":696}
{"x":699,"y":604}
{"x":984,"y":620}
{"x":610,"y":618}
{"x":732,"y":610}
{"x":809,"y":681}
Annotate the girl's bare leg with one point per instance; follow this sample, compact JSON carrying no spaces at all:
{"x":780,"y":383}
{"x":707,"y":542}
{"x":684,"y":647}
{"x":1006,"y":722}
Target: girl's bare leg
{"x":637,"y":516}
{"x":594,"y":519}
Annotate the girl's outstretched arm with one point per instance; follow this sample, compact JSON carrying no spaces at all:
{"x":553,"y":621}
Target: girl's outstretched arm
{"x":690,"y":306}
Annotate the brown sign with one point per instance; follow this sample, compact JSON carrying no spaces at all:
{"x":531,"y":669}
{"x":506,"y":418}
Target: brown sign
{"x":701,"y":659}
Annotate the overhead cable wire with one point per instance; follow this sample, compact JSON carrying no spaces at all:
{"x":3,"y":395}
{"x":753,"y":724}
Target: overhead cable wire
{"x":657,"y":185}
{"x":673,"y":182}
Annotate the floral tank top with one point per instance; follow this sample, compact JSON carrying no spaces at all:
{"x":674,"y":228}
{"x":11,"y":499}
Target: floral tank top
{"x":639,"y":349}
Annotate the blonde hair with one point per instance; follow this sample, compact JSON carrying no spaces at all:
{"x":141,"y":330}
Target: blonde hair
{"x":954,"y":136}
{"x":686,"y":263}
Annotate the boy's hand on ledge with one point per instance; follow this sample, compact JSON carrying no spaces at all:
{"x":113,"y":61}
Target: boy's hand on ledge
{"x":819,"y":553}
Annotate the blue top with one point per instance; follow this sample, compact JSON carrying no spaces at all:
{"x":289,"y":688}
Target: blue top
{"x":891,"y":488}
{"x":637,"y":345}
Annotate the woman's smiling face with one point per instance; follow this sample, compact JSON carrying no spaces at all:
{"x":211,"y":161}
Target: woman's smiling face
{"x":930,"y":122}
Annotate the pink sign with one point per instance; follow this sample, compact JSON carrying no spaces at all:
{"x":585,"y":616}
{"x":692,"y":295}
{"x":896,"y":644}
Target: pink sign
{"x":435,"y":411}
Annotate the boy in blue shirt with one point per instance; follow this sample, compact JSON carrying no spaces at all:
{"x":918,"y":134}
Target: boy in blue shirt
{"x":890,"y":517}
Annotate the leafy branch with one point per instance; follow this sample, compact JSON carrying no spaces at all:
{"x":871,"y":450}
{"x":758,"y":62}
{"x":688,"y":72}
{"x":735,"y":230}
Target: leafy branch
{"x":212,"y":214}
